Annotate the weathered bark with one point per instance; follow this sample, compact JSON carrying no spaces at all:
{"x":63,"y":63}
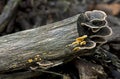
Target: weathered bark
{"x":48,"y":41}
{"x":88,"y":70}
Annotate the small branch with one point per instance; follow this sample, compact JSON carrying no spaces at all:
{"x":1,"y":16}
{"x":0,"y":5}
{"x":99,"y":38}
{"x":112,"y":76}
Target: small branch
{"x":7,"y":13}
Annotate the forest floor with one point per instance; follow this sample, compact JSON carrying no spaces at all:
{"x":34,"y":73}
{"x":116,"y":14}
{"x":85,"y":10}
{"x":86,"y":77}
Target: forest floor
{"x":35,"y":13}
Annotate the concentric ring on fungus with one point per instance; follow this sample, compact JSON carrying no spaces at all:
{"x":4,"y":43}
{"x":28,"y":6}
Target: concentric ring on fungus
{"x":94,"y":25}
{"x":103,"y":32}
{"x":96,"y":14}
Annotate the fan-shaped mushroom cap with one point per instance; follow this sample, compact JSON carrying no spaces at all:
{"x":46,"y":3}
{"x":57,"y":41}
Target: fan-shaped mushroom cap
{"x":88,"y":45}
{"x":98,"y":39}
{"x":95,"y":19}
{"x":82,"y":43}
{"x":103,"y":32}
{"x":94,"y":25}
{"x":96,"y":14}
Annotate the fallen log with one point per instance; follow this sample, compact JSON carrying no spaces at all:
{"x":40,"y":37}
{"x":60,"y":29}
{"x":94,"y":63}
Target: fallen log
{"x":46,"y":44}
{"x":19,"y":50}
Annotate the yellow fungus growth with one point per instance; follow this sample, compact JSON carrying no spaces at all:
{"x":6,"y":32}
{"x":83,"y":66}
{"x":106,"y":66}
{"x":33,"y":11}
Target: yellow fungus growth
{"x":14,"y":66}
{"x":75,"y":43}
{"x":83,"y":43}
{"x":82,"y":38}
{"x":76,"y":49}
{"x":30,"y":60}
{"x":79,"y":41}
{"x":37,"y":58}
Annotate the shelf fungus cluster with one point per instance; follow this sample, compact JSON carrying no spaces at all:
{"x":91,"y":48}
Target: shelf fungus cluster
{"x":93,"y":30}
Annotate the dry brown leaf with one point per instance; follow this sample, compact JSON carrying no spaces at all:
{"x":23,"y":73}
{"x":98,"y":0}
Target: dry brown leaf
{"x":112,"y":9}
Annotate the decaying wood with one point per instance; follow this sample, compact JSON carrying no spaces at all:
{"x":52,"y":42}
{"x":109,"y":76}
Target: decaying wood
{"x":88,"y":70}
{"x":48,"y":41}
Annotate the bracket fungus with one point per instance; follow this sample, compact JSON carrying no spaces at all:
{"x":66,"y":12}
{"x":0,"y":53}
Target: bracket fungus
{"x":94,"y":25}
{"x":82,"y":43}
{"x":93,"y":29}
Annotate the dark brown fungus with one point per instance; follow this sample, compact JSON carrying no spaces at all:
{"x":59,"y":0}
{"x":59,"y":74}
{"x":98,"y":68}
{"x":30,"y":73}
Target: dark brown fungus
{"x":89,"y":45}
{"x":103,"y":32}
{"x":95,"y":29}
{"x":81,"y":19}
{"x":94,"y":25}
{"x":98,"y":22}
{"x":98,"y":39}
{"x":96,"y":14}
{"x":82,"y":43}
